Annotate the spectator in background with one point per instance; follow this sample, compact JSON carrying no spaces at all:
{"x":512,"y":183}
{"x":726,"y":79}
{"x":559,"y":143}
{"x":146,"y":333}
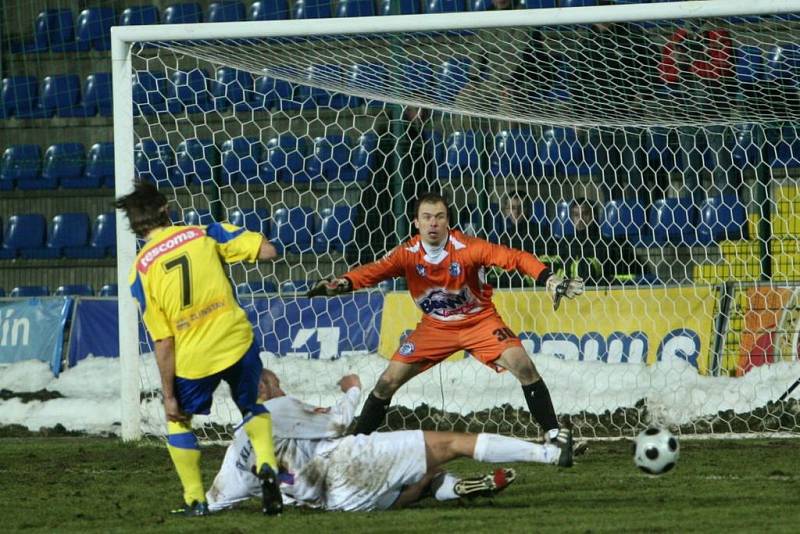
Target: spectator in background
{"x":698,"y":70}
{"x":587,"y":254}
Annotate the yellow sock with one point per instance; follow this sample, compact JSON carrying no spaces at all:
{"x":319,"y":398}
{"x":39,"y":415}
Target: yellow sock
{"x":259,"y":430}
{"x":185,"y":454}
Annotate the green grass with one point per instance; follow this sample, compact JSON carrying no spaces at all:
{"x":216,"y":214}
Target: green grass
{"x":71,"y":484}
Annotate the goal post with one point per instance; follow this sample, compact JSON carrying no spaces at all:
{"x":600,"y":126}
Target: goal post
{"x":675,"y":120}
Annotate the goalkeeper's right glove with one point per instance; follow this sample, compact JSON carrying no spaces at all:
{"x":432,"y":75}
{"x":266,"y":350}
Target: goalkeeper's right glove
{"x":563,"y":287}
{"x":330,"y":288}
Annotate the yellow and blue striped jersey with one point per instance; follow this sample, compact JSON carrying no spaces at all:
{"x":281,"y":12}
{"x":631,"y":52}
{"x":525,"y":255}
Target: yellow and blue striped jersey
{"x":184,"y":292}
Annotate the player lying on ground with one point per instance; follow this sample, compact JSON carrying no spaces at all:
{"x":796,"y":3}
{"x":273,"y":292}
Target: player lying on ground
{"x":323,"y":468}
{"x":444,"y":271}
{"x":202,"y":335}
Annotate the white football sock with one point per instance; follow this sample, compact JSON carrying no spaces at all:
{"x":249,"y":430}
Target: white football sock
{"x":494,"y":448}
{"x":446,"y":490}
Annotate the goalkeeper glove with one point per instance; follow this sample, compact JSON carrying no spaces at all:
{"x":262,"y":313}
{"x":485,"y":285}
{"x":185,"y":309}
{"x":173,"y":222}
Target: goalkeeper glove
{"x":330,"y":288}
{"x":563,"y":287}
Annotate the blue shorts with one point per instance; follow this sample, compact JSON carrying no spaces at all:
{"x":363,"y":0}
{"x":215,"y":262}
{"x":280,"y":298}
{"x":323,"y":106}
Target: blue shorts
{"x":195,"y":394}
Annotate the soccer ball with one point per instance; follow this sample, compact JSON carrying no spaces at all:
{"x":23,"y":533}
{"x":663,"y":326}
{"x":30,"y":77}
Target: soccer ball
{"x":656,"y":451}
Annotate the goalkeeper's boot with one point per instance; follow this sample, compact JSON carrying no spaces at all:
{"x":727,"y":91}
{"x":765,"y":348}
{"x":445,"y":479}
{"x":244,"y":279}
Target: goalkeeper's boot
{"x":195,"y":509}
{"x":485,"y":486}
{"x":271,"y":500}
{"x":563,"y":440}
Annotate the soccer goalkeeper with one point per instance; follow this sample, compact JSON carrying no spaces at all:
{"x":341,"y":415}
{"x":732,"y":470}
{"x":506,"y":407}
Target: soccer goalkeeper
{"x":202,"y":335}
{"x":444,"y":271}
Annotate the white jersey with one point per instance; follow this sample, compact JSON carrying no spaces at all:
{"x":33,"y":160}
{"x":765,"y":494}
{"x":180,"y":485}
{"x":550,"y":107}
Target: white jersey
{"x":319,"y":467}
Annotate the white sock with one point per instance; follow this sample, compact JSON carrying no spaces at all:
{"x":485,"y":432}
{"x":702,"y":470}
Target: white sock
{"x":446,"y":490}
{"x":494,"y":448}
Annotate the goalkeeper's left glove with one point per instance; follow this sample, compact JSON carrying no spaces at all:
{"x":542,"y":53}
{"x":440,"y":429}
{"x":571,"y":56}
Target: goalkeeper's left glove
{"x":330,"y":288}
{"x":563,"y":287}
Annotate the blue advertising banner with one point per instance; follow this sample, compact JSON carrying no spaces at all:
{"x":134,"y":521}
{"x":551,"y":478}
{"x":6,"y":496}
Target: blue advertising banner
{"x":33,"y":329}
{"x":94,"y":330}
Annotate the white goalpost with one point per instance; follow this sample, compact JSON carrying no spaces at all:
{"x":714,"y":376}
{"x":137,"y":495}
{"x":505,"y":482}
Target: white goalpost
{"x":651,"y":148}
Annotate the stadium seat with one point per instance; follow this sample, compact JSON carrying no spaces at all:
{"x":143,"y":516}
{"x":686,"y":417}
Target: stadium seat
{"x":292,"y":229}
{"x":443,"y":6}
{"x":99,"y":166}
{"x":563,"y":225}
{"x":371,"y":75}
{"x":23,"y":232}
{"x":661,"y":155}
{"x":746,"y":153}
{"x":184,"y":13}
{"x":256,"y":288}
{"x":29,"y":291}
{"x":364,"y":157}
{"x":577,"y":3}
{"x":20,"y":97}
{"x":461,"y":156}
{"x":63,"y":164}
{"x":356,"y":8}
{"x":624,"y":220}
{"x":673,"y":221}
{"x":103,"y":240}
{"x":148,"y":93}
{"x":2,"y":292}
{"x":561,"y":152}
{"x":97,"y":95}
{"x":783,"y":65}
{"x":784,"y":151}
{"x":139,"y":16}
{"x":61,"y":95}
{"x":538,"y":4}
{"x":232,"y":88}
{"x":722,"y":218}
{"x":254,"y":220}
{"x":295,"y":286}
{"x":108,"y":290}
{"x":241,"y":159}
{"x":194,"y":217}
{"x":269,"y":10}
{"x":312,"y":9}
{"x":155,"y":161}
{"x":189,"y":91}
{"x":66,"y":230}
{"x":195,"y":161}
{"x":285,"y":160}
{"x":226,"y":11}
{"x":453,"y":76}
{"x":94,"y":28}
{"x":418,"y":79}
{"x":20,"y":163}
{"x":750,"y":64}
{"x":336,"y":229}
{"x":54,"y":30}
{"x":321,"y":97}
{"x":330,"y":159}
{"x":74,"y":290}
{"x":514,"y":155}
{"x":399,"y":7}
{"x":270,"y":93}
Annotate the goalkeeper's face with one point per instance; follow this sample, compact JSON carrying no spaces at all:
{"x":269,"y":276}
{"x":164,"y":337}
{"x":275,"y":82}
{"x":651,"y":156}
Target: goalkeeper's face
{"x":432,"y":223}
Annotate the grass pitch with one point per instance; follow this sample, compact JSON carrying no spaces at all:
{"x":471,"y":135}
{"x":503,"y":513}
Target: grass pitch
{"x":79,"y":484}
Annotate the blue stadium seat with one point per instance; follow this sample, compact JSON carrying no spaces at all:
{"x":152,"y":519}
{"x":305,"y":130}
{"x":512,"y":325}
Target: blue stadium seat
{"x":2,"y":292}
{"x":418,"y":79}
{"x":269,"y":10}
{"x":226,"y":11}
{"x":746,"y":153}
{"x":189,"y":90}
{"x":783,"y":65}
{"x":479,"y":5}
{"x":20,"y":162}
{"x":624,"y":220}
{"x":155,"y":161}
{"x":453,"y":76}
{"x":784,"y":151}
{"x":23,"y":232}
{"x":74,"y":290}
{"x":103,"y":241}
{"x":356,"y":8}
{"x":314,"y":96}
{"x":577,"y":3}
{"x":61,"y":95}
{"x":295,"y":286}
{"x":330,"y":159}
{"x":312,"y":9}
{"x":54,"y":30}
{"x":66,"y":230}
{"x":673,"y":221}
{"x":399,"y":7}
{"x":538,"y":4}
{"x":270,"y":93}
{"x":196,"y":160}
{"x":292,"y":229}
{"x":514,"y":155}
{"x":561,"y":152}
{"x":194,"y":217}
{"x":661,"y":155}
{"x":97,"y":96}
{"x":20,"y":97}
{"x":336,"y":229}
{"x":64,"y":164}
{"x":29,"y":292}
{"x":44,"y":180}
{"x":443,"y":6}
{"x":232,"y":88}
{"x":722,"y":218}
{"x":364,"y":157}
{"x":139,"y":16}
{"x":254,"y":220}
{"x":461,"y":156}
{"x":99,"y":166}
{"x":750,"y":64}
{"x":563,"y":225}
{"x":148,"y":93}
{"x":285,"y":160}
{"x":241,"y":160}
{"x":183,"y":13}
{"x":108,"y":290}
{"x":94,"y":28}
{"x":256,"y":288}
{"x":373,"y":76}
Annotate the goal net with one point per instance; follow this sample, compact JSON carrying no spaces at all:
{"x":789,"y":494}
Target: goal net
{"x":652,"y":150}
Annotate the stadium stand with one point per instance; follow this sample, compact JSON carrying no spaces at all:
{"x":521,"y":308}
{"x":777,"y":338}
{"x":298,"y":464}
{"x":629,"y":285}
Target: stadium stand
{"x":336,"y":229}
{"x":256,"y":288}
{"x":624,"y":220}
{"x":99,"y":167}
{"x":64,"y":165}
{"x":330,"y":159}
{"x":61,"y":96}
{"x":139,"y":15}
{"x":514,"y":154}
{"x":195,"y":161}
{"x":563,"y":225}
{"x":189,"y":91}
{"x":241,"y":159}
{"x":20,"y":163}
{"x":226,"y":11}
{"x":94,"y":28}
{"x":20,"y":97}
{"x":97,"y":95}
{"x":401,"y":7}
{"x":312,"y":9}
{"x":285,"y":160}
{"x":183,"y":13}
{"x":355,"y":8}
{"x":29,"y":291}
{"x":270,"y":94}
{"x":65,"y":230}
{"x":108,"y":290}
{"x":74,"y":290}
{"x":295,"y":286}
{"x":291,"y":229}
{"x":673,"y":220}
{"x":148,"y":93}
{"x":232,"y":89}
{"x":268,"y":10}
{"x":254,"y":220}
{"x":443,"y":6}
{"x":154,"y":161}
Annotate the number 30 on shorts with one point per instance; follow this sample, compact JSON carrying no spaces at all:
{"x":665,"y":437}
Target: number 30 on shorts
{"x":504,"y":333}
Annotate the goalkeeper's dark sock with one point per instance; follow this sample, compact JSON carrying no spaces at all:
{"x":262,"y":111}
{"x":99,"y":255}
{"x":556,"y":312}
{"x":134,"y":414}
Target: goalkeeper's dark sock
{"x":541,"y":406}
{"x":372,"y":415}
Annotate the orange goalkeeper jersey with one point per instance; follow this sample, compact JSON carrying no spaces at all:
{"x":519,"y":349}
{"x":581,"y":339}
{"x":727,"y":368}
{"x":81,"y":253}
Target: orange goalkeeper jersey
{"x":450,"y":288}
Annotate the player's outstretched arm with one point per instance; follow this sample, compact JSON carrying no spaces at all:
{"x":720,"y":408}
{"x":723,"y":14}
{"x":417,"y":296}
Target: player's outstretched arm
{"x":367,"y":275}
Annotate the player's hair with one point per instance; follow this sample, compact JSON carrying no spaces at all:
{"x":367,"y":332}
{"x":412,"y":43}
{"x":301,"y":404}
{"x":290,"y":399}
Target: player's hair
{"x":144,"y":208}
{"x":431,"y":198}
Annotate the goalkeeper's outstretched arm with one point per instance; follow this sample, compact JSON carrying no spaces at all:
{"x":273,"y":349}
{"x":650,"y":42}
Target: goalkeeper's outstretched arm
{"x":368,"y":275}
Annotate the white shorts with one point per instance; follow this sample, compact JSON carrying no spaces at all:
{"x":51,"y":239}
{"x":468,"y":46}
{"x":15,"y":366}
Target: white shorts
{"x":369,"y":472}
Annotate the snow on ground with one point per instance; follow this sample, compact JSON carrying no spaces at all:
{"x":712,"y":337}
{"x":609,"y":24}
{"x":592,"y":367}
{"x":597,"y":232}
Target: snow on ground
{"x":676,"y":393}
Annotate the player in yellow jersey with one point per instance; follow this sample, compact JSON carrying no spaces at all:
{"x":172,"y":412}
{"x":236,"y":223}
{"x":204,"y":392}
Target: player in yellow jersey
{"x":202,"y":335}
